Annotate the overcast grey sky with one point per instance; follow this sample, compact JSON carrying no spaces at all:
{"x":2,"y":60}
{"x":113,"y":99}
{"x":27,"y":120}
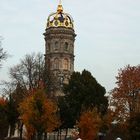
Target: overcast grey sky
{"x":108,"y":33}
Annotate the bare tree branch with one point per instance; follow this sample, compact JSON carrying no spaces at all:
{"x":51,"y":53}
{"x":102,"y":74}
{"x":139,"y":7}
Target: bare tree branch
{"x":3,"y":54}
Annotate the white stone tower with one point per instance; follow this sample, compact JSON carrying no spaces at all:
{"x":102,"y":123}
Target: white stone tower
{"x":59,"y":50}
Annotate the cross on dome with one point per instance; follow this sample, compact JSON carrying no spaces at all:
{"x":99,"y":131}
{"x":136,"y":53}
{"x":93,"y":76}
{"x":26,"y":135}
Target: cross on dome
{"x":60,"y":7}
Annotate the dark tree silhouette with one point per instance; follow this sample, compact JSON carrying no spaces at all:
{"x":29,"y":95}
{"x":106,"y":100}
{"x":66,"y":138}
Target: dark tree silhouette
{"x":83,"y":92}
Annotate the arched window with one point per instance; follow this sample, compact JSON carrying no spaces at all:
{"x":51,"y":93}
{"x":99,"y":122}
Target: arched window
{"x":71,"y":48}
{"x":56,"y":63}
{"x":66,"y":64}
{"x":48,"y":64}
{"x":66,"y":47}
{"x":48,"y":46}
{"x":60,"y":64}
{"x":56,"y":46}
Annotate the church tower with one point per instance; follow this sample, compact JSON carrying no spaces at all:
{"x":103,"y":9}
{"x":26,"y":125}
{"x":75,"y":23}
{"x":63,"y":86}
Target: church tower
{"x":59,"y":50}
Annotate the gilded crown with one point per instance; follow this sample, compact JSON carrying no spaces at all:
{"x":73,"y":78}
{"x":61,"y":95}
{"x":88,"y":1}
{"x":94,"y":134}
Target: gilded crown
{"x":60,"y":19}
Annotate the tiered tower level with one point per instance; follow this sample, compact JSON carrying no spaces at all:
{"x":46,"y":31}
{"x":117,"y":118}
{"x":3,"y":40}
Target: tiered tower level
{"x":59,"y":49}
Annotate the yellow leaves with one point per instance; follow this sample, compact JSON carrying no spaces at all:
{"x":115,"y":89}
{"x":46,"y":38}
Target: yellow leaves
{"x":89,"y":124}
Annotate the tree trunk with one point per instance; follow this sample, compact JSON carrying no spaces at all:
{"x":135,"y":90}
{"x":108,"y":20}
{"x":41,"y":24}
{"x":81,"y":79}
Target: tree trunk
{"x":66,"y":133}
{"x":39,"y":136}
{"x":21,"y":131}
{"x":9,"y":132}
{"x":45,"y":136}
{"x":60,"y":134}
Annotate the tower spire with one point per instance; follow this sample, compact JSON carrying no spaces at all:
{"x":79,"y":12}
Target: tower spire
{"x":60,"y":7}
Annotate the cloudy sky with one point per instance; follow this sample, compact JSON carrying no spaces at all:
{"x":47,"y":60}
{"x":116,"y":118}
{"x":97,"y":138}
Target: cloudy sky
{"x":108,"y":33}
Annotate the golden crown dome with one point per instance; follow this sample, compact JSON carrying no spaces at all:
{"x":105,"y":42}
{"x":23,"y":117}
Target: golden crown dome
{"x":60,"y":19}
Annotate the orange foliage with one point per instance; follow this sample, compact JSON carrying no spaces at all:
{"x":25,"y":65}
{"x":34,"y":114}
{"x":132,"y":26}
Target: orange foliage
{"x":3,"y":102}
{"x":125,"y":95}
{"x":89,"y":124}
{"x":38,"y":113}
{"x":107,"y":120}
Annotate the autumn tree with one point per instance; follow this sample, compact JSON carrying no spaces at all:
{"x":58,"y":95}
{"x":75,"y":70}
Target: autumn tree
{"x":14,"y":94}
{"x":126,"y":99}
{"x":3,"y":118}
{"x":89,"y":124}
{"x":106,"y":122}
{"x":39,"y":114}
{"x":126,"y":95}
{"x":23,"y":76}
{"x":134,"y":126}
{"x":11,"y":114}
